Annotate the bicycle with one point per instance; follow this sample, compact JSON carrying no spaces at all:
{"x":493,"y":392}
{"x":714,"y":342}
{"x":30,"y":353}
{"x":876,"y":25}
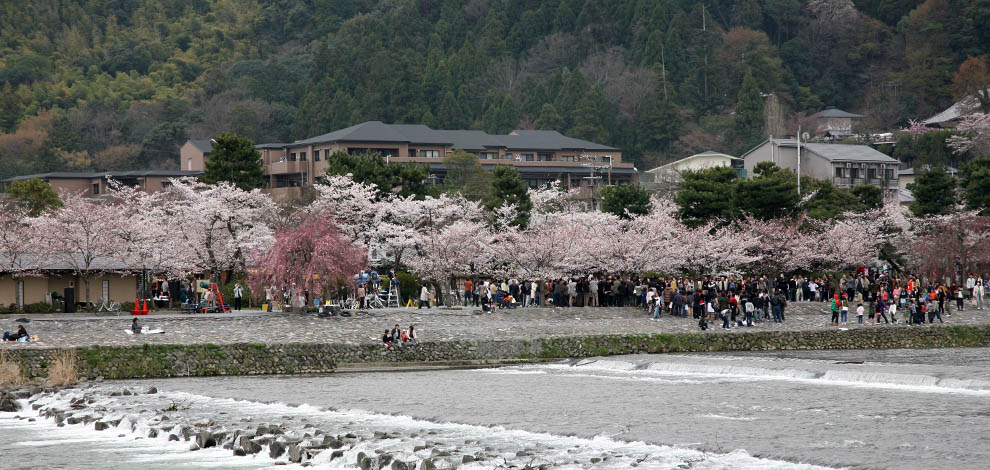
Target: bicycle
{"x":107,"y":305}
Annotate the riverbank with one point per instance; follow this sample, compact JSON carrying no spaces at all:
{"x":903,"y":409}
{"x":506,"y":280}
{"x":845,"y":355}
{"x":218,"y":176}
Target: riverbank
{"x":185,"y":360}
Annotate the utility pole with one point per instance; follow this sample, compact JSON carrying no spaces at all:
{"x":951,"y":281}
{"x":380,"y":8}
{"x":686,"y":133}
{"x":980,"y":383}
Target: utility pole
{"x":799,"y":160}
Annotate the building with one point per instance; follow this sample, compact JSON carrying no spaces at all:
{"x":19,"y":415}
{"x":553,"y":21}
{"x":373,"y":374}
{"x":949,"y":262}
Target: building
{"x":832,"y":122}
{"x":58,"y":276}
{"x":671,"y":172}
{"x":540,"y":156}
{"x":950,"y":116}
{"x":842,"y":164}
{"x":193,"y":153}
{"x":94,"y":184}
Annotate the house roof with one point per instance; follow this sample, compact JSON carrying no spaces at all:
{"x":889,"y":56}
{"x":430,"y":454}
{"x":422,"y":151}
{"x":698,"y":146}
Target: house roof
{"x":377,"y":131}
{"x":204,"y":145}
{"x":831,"y":112}
{"x":66,"y":261}
{"x":905,"y":196}
{"x":838,"y":152}
{"x":958,"y":109}
{"x":106,"y":174}
{"x":708,"y":153}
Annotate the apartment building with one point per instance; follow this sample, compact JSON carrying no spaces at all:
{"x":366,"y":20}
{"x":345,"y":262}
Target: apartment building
{"x":94,"y":184}
{"x":540,"y":156}
{"x":843,"y":164}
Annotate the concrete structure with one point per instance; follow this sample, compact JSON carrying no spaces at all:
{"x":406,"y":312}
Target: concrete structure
{"x":94,"y":184}
{"x":671,"y":172}
{"x":844,"y":165}
{"x":193,"y":153}
{"x":832,"y":122}
{"x":540,"y":156}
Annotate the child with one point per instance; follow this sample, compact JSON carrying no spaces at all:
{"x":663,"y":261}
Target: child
{"x":859,"y":313}
{"x":892,"y":309}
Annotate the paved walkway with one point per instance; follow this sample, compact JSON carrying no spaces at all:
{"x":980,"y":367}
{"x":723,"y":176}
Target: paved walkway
{"x":435,"y":324}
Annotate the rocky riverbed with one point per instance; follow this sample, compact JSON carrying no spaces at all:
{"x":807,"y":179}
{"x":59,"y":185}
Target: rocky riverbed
{"x":303,"y":436}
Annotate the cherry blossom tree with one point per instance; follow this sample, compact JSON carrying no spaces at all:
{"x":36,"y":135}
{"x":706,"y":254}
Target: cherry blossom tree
{"x":83,"y":235}
{"x":313,"y":255}
{"x":977,"y":138}
{"x":220,"y":224}
{"x":20,"y":253}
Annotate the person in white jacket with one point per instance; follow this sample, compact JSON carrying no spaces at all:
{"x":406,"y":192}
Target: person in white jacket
{"x":979,"y":290}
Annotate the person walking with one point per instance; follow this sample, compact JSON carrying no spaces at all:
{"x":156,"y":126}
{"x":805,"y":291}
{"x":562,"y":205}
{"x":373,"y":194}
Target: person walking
{"x":468,"y":292}
{"x":238,"y":295}
{"x":424,"y":297}
{"x":835,"y":311}
{"x":979,"y":290}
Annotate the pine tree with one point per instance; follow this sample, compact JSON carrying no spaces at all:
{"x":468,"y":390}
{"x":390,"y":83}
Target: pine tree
{"x":549,"y":119}
{"x":509,"y":188}
{"x":661,"y":124}
{"x":747,"y":128}
{"x":235,"y":160}
{"x":588,"y":118}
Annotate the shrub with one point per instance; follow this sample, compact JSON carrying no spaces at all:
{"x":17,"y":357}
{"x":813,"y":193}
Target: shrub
{"x":10,"y":371}
{"x":228,"y":292}
{"x":408,"y":285}
{"x":38,"y":307}
{"x":128,"y":307}
{"x":10,"y":309}
{"x":62,"y":370}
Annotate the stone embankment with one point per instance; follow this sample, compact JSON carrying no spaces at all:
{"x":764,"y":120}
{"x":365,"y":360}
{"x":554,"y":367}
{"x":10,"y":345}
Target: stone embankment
{"x":147,"y":361}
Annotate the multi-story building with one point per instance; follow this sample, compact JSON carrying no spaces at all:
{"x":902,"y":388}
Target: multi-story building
{"x":94,"y":184}
{"x":540,"y":156}
{"x":842,"y":164}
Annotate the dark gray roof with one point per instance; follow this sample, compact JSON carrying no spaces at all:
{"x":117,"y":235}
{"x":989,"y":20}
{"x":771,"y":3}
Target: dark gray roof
{"x":106,"y":174}
{"x":841,"y":152}
{"x":376,"y":131}
{"x":205,"y":145}
{"x":831,"y":112}
{"x":270,"y":146}
{"x":66,"y":261}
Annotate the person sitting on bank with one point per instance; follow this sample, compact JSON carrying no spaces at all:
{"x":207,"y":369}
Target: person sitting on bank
{"x":387,"y":340}
{"x":396,"y":335}
{"x":135,"y":327}
{"x":21,"y":333}
{"x":411,"y":335}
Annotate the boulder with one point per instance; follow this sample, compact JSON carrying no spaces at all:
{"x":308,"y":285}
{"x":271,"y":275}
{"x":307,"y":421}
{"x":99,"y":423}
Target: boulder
{"x":275,"y":449}
{"x":101,"y":426}
{"x":9,"y":405}
{"x":205,"y":439}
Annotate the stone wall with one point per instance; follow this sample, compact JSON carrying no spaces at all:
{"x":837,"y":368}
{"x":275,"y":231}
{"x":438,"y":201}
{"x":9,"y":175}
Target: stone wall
{"x":294,"y":358}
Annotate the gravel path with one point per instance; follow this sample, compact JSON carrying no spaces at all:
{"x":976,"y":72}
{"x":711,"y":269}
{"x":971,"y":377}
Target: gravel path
{"x":431,"y":325}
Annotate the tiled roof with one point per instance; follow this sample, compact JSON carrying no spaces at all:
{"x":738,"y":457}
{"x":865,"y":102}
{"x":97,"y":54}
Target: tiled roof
{"x":376,"y":131}
{"x":837,"y":113}
{"x":65,"y":262}
{"x":106,"y":174}
{"x":205,"y":145}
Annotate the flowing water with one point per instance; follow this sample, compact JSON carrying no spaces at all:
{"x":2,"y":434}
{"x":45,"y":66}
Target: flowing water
{"x":895,"y":409}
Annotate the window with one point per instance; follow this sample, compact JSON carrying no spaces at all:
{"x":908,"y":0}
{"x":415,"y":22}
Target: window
{"x":838,"y":172}
{"x":189,"y":164}
{"x":302,"y":156}
{"x":316,"y":155}
{"x":292,"y":157}
{"x":854,"y":173}
{"x":96,"y":188}
{"x":605,"y":159}
{"x":166,"y":184}
{"x":488,"y":155}
{"x":871,"y":173}
{"x":20,"y":293}
{"x":429,"y":153}
{"x":105,"y":289}
{"x":544,"y":157}
{"x":526,"y":157}
{"x":568,"y":158}
{"x":890,"y":174}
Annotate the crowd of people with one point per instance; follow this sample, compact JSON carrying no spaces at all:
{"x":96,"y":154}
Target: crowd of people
{"x":738,"y":300}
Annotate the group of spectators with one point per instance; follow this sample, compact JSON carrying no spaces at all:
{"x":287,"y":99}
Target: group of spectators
{"x":397,"y":337}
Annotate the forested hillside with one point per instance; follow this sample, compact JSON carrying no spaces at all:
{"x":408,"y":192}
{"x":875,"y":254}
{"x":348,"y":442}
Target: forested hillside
{"x":121,"y":84}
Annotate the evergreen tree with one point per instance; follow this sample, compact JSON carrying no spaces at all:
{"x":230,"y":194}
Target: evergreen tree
{"x":235,"y":160}
{"x":34,"y":195}
{"x":404,"y":179}
{"x":828,"y":201}
{"x":549,"y":119}
{"x":465,"y":175}
{"x":706,"y":195}
{"x":588,"y":118}
{"x":747,"y":127}
{"x":975,"y":183}
{"x":10,"y":109}
{"x":771,"y":194}
{"x":624,"y":198}
{"x":870,"y":196}
{"x":661,"y":124}
{"x":509,"y":188}
{"x":500,"y":116}
{"x":933,"y":191}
